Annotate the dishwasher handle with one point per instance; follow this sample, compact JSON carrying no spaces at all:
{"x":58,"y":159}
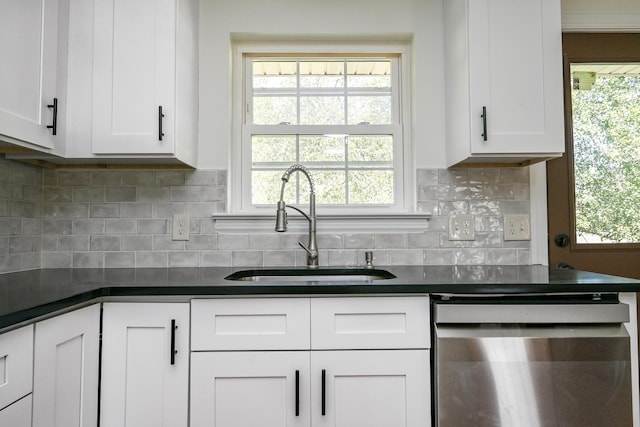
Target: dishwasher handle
{"x":531,"y":313}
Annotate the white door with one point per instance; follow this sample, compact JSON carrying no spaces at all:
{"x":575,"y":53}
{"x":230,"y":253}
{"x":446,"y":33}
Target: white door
{"x":29,"y":49}
{"x":144,"y":381}
{"x":250,"y":389}
{"x":516,"y":73}
{"x":371,"y":388}
{"x":134,"y":76}
{"x":65,"y":379}
{"x":18,"y":414}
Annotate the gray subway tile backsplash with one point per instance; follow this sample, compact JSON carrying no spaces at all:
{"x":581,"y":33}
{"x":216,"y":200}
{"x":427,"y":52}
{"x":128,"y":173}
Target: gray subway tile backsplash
{"x":60,"y":218}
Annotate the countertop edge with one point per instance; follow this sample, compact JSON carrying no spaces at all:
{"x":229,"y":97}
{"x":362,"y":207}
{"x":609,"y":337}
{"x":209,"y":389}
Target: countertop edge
{"x":100,"y":285}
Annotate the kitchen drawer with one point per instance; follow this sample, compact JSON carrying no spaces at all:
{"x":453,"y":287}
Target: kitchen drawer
{"x":370,"y":323}
{"x":17,"y":414}
{"x":16,"y":365}
{"x":250,"y":324}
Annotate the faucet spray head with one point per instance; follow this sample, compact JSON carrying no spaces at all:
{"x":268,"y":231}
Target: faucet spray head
{"x":281,"y":217}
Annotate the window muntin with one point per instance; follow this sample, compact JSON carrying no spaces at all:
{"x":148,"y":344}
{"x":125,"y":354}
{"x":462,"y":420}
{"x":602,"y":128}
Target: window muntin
{"x":340,"y":117}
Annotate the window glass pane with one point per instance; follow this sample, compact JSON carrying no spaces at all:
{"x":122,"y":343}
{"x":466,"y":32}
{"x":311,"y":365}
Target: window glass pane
{"x":322,"y":149}
{"x":606,"y":139}
{"x":375,"y":110}
{"x":329,"y":185}
{"x":329,"y":94}
{"x":324,"y":74}
{"x":265,"y":188}
{"x":321,"y":110}
{"x":369,"y":74}
{"x":273,"y":110}
{"x":370,"y":187}
{"x":273,"y":148}
{"x":371,"y":148}
{"x":274,"y":74}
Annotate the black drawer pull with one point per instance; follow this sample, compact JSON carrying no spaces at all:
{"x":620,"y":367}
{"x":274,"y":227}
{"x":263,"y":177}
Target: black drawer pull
{"x":160,"y":116}
{"x":297,"y":393}
{"x":173,"y":341}
{"x":324,"y":392}
{"x":54,"y":124}
{"x":484,"y":123}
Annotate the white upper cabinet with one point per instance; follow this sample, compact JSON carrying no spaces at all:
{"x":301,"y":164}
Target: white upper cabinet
{"x":144,"y":79}
{"x":503,"y":71}
{"x":31,"y":32}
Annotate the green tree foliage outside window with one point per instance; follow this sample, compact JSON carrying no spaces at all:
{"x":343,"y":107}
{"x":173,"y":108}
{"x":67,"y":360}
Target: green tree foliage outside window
{"x":606,"y":145}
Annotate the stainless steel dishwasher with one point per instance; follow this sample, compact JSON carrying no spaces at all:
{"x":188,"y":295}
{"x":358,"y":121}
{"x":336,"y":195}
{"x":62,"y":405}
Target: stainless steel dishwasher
{"x":536,"y":362}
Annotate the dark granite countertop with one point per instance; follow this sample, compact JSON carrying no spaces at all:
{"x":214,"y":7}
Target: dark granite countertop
{"x":28,"y":295}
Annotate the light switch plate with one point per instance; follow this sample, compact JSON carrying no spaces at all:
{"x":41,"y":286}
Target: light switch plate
{"x":461,"y":227}
{"x":517,"y":227}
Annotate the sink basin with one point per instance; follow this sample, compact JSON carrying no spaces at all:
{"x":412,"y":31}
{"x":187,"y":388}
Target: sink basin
{"x":308,"y":275}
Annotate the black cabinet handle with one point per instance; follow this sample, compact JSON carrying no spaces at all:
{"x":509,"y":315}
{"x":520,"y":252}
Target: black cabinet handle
{"x":173,"y":341}
{"x":324,"y":392}
{"x":54,"y":124}
{"x":484,"y":123}
{"x":297,"y":393}
{"x":160,"y":116}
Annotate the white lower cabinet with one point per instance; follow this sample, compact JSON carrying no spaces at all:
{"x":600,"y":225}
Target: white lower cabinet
{"x":145,"y":365}
{"x":17,"y":414}
{"x":250,"y":389}
{"x":373,"y":388}
{"x":65,"y":378}
{"x":357,"y":373}
{"x":16,"y":365}
{"x":377,"y":388}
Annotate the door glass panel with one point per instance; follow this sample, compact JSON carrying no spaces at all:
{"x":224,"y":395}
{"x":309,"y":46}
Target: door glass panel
{"x":606,"y":152}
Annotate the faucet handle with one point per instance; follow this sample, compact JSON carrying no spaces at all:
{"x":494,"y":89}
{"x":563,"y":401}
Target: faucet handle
{"x":303,"y":246}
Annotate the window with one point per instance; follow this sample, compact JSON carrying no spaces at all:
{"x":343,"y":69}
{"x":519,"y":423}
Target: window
{"x":337,"y":114}
{"x":605,"y":99}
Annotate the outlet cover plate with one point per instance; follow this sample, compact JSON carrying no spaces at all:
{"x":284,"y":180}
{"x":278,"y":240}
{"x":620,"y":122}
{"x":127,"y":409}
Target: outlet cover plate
{"x":180,"y":227}
{"x":462,"y":227}
{"x":517,"y":227}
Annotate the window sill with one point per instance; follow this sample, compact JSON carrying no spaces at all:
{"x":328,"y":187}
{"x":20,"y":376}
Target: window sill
{"x":327,"y":223}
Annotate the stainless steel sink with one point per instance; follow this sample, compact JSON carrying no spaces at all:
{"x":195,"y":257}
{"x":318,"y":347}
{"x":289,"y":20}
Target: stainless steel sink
{"x":311,"y":275}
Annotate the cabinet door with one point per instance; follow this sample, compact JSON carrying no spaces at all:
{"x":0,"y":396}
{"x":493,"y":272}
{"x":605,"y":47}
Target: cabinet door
{"x":16,"y":365}
{"x":134,"y":75}
{"x":28,"y":48}
{"x":515,"y":66}
{"x":376,"y":388}
{"x":140,"y":384}
{"x":65,"y":381}
{"x":18,"y":414}
{"x":249,"y":389}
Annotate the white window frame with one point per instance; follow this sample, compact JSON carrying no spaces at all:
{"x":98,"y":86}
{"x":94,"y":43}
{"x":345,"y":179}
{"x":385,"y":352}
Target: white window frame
{"x":240,"y":161}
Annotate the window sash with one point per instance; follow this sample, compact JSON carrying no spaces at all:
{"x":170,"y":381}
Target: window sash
{"x":394,"y":129}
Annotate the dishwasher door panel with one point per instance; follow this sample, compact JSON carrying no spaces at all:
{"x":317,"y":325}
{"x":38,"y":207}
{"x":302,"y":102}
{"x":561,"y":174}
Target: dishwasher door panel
{"x":543,"y":376}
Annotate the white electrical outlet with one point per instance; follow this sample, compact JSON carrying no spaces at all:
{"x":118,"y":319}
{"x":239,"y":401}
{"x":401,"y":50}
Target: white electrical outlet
{"x":180,"y":227}
{"x":517,"y":227}
{"x":461,"y":227}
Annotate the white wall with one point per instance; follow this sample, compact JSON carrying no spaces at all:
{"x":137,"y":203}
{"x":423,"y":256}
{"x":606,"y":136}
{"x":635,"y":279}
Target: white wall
{"x":600,"y":15}
{"x":220,"y":20}
{"x":572,"y":6}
